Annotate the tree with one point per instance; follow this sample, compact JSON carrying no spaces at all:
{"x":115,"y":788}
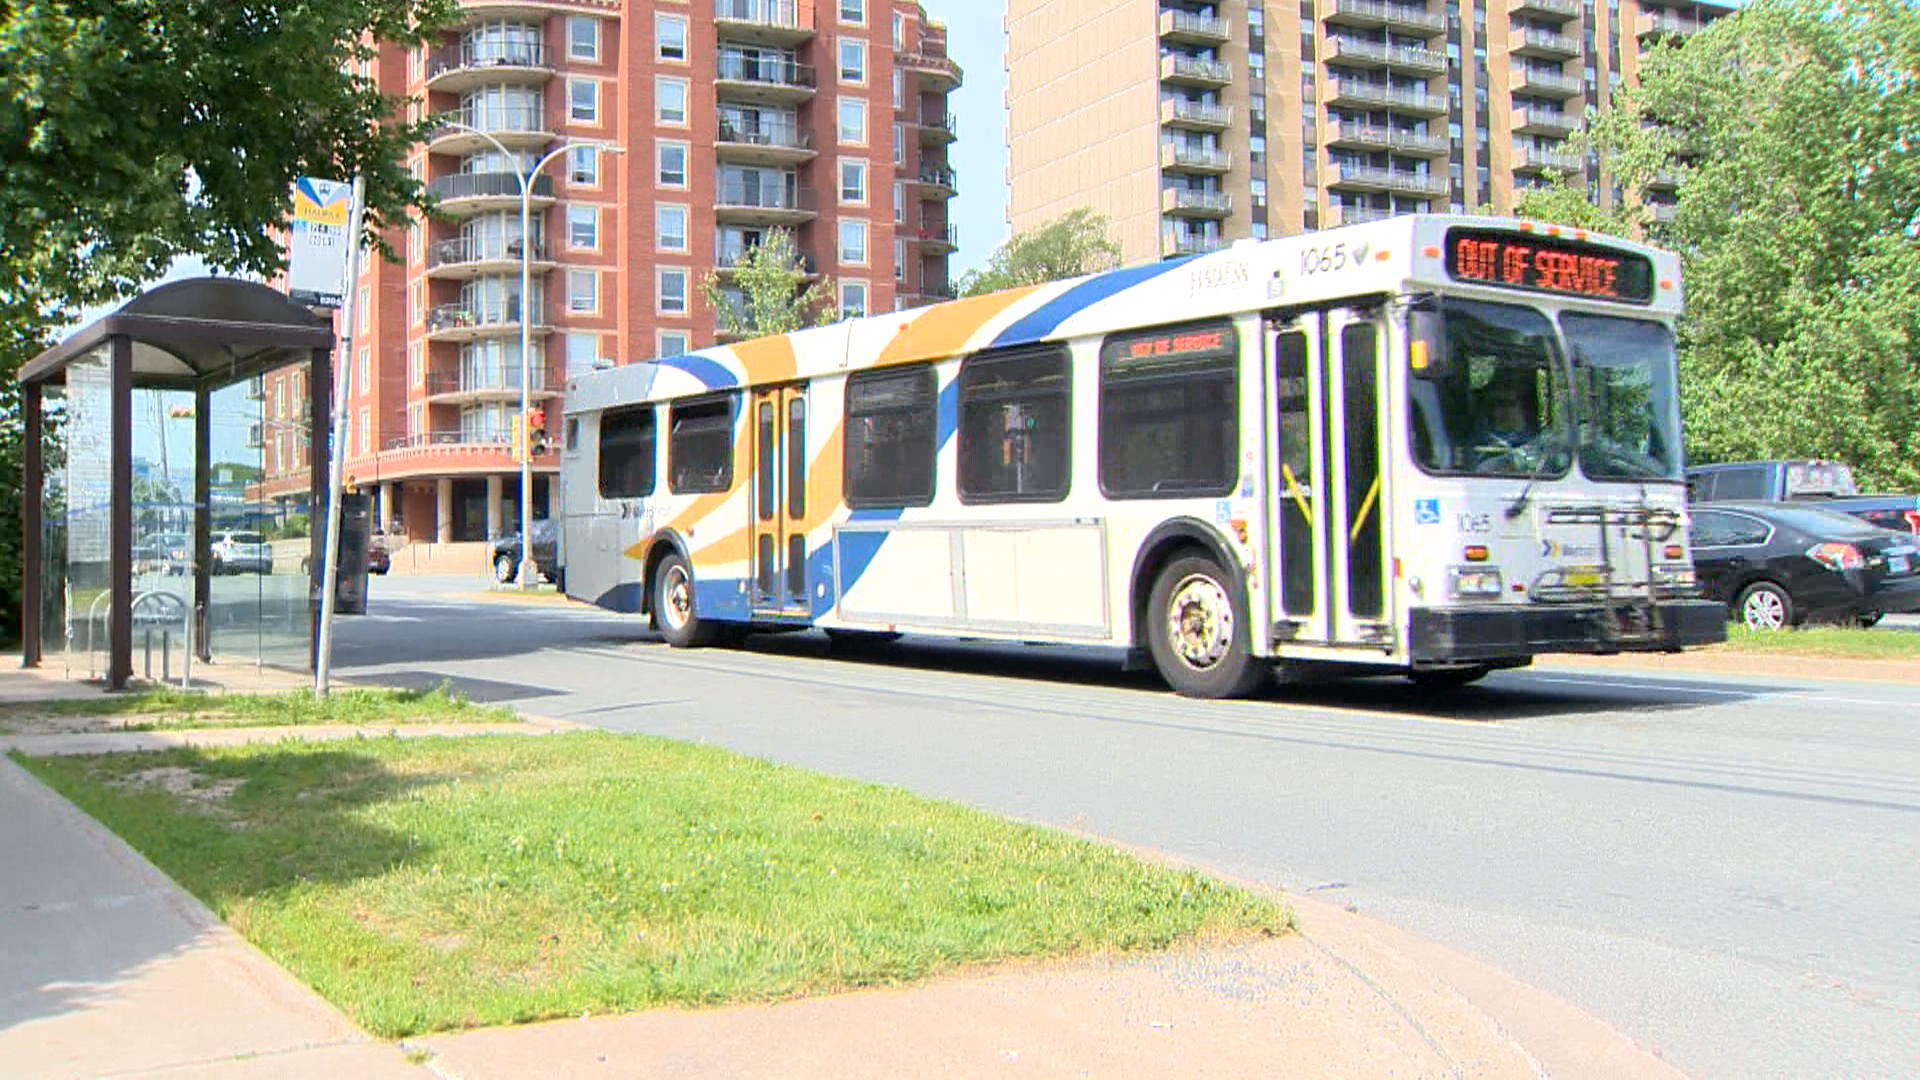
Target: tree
{"x":1790,"y":125}
{"x":769,"y":294}
{"x":1072,"y":244}
{"x":1562,"y":203}
{"x":139,"y":131}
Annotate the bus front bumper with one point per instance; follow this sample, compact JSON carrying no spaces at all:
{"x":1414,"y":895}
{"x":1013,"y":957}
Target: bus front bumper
{"x":1441,"y":635}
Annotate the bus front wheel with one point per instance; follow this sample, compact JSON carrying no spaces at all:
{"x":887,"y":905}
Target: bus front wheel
{"x":1198,"y":632}
{"x":674,"y":607}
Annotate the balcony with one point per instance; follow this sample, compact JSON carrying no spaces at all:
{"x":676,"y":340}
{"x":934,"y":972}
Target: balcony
{"x":1374,"y":137}
{"x":768,"y":22}
{"x":1412,"y":19}
{"x":451,"y":440}
{"x":1400,"y":58}
{"x":489,"y":382}
{"x":1193,"y":71}
{"x":1544,"y":44}
{"x":1357,"y":215}
{"x":1533,"y":159}
{"x":1184,"y":202}
{"x":1174,"y":243}
{"x":1655,"y":25}
{"x":1544,"y":122}
{"x":770,"y":81}
{"x":1195,"y":115}
{"x":936,"y":182}
{"x":1548,"y":84}
{"x":1394,"y":181}
{"x":518,"y":127}
{"x":938,"y":73}
{"x":938,"y":130}
{"x":1187,"y":28}
{"x":1546,"y":9}
{"x":768,"y":144}
{"x":1194,"y":158}
{"x":466,"y":194}
{"x":938,"y":290}
{"x":471,"y":64}
{"x":465,"y":257}
{"x":731,"y":256}
{"x":257,"y":388}
{"x":1664,"y":180}
{"x":740,"y":202}
{"x":1664,"y":213}
{"x":935,"y":237}
{"x":464,"y":321}
{"x":1366,"y":95}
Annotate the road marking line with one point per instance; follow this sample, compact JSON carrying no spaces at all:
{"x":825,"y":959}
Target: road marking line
{"x":1637,"y":686}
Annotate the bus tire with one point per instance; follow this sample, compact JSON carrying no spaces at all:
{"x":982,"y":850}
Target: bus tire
{"x":1197,"y":631}
{"x":674,"y":607}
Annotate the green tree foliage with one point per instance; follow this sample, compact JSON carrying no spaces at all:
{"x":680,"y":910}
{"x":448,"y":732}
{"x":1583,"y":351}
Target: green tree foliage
{"x":769,"y":293}
{"x":1564,"y":204}
{"x":139,"y":131}
{"x":1791,"y":126}
{"x":1072,"y":244}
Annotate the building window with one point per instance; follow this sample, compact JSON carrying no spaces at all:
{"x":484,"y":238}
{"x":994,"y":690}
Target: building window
{"x":853,"y":121}
{"x":853,"y":182}
{"x":583,"y":101}
{"x":670,"y":228}
{"x":853,"y":11}
{"x":583,"y":291}
{"x":583,"y":167}
{"x":629,"y":449}
{"x":583,"y":38}
{"x":890,"y":438}
{"x":853,"y":61}
{"x":900,"y":260}
{"x":673,"y":164}
{"x":582,"y":352}
{"x":899,"y":89}
{"x":1169,"y":416}
{"x":853,"y":243}
{"x":700,"y":445}
{"x":1014,"y":427}
{"x":416,"y":365}
{"x":673,"y":292}
{"x":670,"y":97}
{"x":899,"y":144}
{"x":853,"y":299}
{"x":583,"y":228}
{"x":899,"y":201}
{"x":674,"y":343}
{"x":670,"y":37}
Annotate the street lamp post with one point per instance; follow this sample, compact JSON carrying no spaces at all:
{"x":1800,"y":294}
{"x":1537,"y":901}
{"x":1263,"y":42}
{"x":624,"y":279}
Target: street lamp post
{"x":526,"y":176}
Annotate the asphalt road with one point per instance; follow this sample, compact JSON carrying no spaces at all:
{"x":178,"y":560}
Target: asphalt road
{"x":1728,"y":870}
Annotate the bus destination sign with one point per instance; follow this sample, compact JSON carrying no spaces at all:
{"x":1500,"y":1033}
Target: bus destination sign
{"x":1177,"y":344}
{"x":1539,"y":264}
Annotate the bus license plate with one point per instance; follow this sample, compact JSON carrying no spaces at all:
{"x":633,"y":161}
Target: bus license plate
{"x":1584,"y":579}
{"x":1898,"y":564}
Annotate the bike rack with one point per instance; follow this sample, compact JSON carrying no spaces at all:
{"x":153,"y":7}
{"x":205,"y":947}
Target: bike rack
{"x":158,"y":598}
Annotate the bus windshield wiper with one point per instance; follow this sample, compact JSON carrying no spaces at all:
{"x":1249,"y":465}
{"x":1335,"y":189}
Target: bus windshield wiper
{"x":1548,"y":446}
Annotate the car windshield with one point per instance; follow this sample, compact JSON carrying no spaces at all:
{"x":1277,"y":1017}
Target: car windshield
{"x":1629,"y":403}
{"x":1491,"y":399}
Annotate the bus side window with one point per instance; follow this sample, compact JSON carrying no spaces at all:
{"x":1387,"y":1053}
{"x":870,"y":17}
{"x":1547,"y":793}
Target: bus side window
{"x":628,"y":448}
{"x":889,"y":448}
{"x":700,"y":445}
{"x":1015,"y":427}
{"x":1170,"y":412}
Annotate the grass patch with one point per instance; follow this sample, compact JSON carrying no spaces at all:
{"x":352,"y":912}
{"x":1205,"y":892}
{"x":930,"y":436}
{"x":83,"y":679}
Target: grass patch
{"x":1842,"y":642}
{"x":164,"y":708}
{"x":423,"y":885}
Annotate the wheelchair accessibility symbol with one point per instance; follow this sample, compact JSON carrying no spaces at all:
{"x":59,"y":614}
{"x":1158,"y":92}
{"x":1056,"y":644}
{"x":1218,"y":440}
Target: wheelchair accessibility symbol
{"x":1426,"y":511}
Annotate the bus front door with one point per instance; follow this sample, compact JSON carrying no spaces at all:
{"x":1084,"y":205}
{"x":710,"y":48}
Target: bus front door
{"x":1326,"y":510}
{"x":778,"y":533}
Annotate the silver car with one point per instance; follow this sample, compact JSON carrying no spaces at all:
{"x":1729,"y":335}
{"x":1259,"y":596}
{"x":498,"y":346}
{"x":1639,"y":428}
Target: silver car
{"x":241,"y":553}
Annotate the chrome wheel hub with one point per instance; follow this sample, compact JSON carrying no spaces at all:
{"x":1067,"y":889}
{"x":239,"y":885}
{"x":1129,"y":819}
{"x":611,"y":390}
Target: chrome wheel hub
{"x":679,"y":596}
{"x":1764,"y":610}
{"x":1200,"y":622}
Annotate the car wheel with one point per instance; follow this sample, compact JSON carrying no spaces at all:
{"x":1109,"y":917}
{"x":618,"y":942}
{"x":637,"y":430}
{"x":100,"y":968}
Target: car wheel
{"x":1448,"y":678}
{"x":503,"y":569}
{"x":1764,"y":606}
{"x":674,"y":605}
{"x":1197,"y":631}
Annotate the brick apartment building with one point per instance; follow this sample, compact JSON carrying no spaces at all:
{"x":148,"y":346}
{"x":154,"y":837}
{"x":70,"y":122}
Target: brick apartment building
{"x":732,"y":117}
{"x":1192,"y":123}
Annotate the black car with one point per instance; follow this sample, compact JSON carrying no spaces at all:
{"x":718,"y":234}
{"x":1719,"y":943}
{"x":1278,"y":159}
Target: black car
{"x":1777,"y":565}
{"x":1900,"y":513}
{"x":506,"y":551}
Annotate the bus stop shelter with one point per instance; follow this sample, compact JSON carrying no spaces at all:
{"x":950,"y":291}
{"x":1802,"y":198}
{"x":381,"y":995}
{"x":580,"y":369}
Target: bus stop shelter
{"x":194,"y":337}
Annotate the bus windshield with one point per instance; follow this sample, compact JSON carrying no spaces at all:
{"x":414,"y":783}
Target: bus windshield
{"x":1492,"y":398}
{"x":1629,"y":405}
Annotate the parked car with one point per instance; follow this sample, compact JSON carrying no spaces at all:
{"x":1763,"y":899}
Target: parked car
{"x":505,"y":552}
{"x":165,"y":551}
{"x":378,"y":559}
{"x":241,"y":553}
{"x":1900,"y":513}
{"x":1770,"y":480}
{"x":1778,"y":564}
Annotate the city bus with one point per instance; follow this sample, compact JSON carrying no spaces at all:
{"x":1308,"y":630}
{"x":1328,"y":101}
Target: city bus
{"x":1430,"y":445}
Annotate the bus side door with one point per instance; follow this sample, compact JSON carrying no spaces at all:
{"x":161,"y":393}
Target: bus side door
{"x":778,"y":533}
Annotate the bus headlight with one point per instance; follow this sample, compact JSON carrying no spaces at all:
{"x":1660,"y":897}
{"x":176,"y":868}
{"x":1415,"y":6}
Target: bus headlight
{"x":1480,"y":581}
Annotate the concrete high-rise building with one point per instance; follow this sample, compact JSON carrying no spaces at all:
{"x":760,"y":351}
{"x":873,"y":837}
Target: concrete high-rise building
{"x":825,"y":117}
{"x":1191,"y":123}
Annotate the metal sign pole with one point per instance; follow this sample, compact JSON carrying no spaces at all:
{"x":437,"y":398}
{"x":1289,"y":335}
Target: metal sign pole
{"x":337,"y":452}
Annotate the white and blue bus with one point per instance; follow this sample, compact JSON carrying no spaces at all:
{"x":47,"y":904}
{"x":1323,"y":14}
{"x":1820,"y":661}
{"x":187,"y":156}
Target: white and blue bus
{"x":1436,"y":445}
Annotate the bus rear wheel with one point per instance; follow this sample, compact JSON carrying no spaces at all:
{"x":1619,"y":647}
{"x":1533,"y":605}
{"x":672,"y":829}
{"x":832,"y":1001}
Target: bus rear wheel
{"x":674,"y":607}
{"x":1197,"y":631}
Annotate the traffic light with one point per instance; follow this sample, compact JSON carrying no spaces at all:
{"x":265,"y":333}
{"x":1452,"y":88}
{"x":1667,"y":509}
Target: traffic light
{"x":536,"y":431}
{"x":517,"y":438}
